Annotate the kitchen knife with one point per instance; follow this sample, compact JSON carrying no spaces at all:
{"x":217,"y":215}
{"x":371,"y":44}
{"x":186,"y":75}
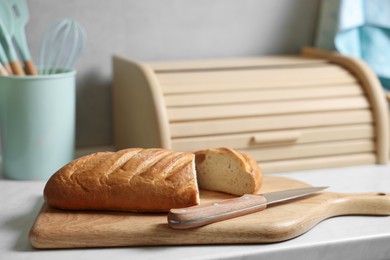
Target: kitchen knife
{"x":201,"y":215}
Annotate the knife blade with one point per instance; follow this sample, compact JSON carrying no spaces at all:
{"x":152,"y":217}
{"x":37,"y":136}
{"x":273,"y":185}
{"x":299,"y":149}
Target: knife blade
{"x":196,"y":216}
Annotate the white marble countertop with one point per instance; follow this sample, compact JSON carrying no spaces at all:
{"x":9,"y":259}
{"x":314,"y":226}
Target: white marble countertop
{"x":347,"y":237}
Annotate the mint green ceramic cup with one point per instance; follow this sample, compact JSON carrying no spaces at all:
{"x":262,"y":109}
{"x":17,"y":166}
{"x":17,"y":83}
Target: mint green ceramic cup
{"x":37,"y":124}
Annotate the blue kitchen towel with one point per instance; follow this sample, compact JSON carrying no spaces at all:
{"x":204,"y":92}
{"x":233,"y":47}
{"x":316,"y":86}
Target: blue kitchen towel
{"x":359,"y":28}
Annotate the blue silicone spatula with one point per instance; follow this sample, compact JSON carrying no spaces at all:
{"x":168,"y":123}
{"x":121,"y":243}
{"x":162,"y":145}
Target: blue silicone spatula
{"x":20,"y":17}
{"x":6,"y":41}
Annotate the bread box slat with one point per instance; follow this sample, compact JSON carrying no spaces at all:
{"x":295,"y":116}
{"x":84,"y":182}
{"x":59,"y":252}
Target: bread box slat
{"x":288,"y":112}
{"x":268,"y":123}
{"x":319,"y":162}
{"x":266,"y":108}
{"x":237,"y":63}
{"x":262,"y":95}
{"x":285,"y":152}
{"x":238,"y":80}
{"x":276,"y":138}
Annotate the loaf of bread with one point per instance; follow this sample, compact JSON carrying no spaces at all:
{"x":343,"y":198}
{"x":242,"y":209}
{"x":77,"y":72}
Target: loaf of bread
{"x":227,"y":170}
{"x":150,"y":180}
{"x":140,"y":180}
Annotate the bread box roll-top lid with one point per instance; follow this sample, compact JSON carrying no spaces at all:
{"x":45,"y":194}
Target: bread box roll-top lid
{"x":314,"y":110}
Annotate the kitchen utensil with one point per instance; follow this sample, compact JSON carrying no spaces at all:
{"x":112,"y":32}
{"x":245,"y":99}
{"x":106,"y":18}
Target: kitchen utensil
{"x":6,"y":41}
{"x":3,"y":70}
{"x":4,"y":59}
{"x":201,"y":215}
{"x":56,"y":228}
{"x":18,"y":10}
{"x":6,"y":18}
{"x":62,"y":44}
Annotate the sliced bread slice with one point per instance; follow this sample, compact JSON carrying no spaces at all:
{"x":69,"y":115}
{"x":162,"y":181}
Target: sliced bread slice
{"x":227,"y":170}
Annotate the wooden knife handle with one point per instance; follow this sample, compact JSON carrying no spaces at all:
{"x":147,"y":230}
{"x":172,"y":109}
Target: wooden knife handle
{"x":201,"y":215}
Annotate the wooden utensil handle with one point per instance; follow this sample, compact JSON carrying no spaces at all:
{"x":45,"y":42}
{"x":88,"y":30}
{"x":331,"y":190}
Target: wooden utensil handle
{"x":8,"y":68}
{"x":30,"y":68}
{"x":16,"y":68}
{"x":213,"y":212}
{"x":3,"y":71}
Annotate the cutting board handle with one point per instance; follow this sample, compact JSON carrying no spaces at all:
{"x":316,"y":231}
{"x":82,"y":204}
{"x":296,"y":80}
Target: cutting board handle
{"x":374,"y":203}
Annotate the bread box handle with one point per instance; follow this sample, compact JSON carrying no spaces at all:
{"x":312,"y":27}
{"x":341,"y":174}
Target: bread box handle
{"x":276,"y":138}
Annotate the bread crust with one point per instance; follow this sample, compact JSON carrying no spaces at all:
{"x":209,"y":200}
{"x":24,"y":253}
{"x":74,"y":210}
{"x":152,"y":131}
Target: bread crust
{"x":139,"y":180}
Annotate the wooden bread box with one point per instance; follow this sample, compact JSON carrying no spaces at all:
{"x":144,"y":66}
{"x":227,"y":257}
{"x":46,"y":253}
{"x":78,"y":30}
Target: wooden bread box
{"x":314,"y":110}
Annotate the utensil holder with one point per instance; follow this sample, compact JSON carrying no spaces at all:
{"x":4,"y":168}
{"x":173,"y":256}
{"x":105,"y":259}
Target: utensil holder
{"x":37,"y":124}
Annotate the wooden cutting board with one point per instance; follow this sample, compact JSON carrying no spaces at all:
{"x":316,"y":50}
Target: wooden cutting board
{"x":74,"y":229}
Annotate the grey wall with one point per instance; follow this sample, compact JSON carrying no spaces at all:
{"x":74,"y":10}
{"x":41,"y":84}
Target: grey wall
{"x":166,"y":30}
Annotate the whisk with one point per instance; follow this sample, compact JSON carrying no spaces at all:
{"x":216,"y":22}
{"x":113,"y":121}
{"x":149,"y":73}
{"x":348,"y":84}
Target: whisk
{"x":61,"y":46}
